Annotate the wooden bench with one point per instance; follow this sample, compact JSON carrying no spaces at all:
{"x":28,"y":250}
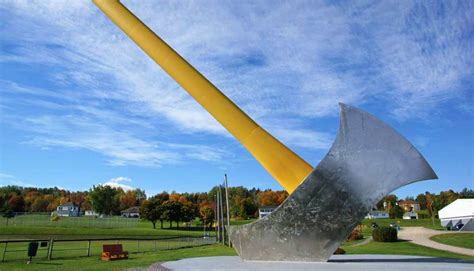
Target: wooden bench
{"x":113,"y":252}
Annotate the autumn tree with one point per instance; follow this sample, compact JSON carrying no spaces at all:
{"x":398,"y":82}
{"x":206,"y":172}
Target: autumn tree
{"x":152,"y":210}
{"x":206,"y":214}
{"x":16,"y":203}
{"x":421,"y":200}
{"x":396,"y":212}
{"x":39,"y":205}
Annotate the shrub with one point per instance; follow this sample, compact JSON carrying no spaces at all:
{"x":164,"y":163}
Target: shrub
{"x":339,"y":251}
{"x":384,"y":234}
{"x":355,"y":235}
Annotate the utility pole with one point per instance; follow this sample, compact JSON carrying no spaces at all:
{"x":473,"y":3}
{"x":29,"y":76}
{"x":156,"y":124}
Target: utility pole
{"x":228,"y":210}
{"x":222,"y":214}
{"x":218,"y":226}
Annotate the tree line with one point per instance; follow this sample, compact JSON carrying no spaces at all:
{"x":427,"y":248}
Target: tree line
{"x":430,"y":203}
{"x":183,"y":207}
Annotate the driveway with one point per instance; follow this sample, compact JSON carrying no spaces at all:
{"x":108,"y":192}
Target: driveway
{"x":421,"y":236}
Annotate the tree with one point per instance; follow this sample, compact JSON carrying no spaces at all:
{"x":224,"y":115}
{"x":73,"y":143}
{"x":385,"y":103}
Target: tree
{"x":16,"y":203}
{"x":140,"y":196}
{"x":104,"y":199}
{"x":128,"y":199}
{"x":206,"y":214}
{"x":172,"y":211}
{"x":389,"y":202}
{"x":396,"y":212}
{"x":152,"y":210}
{"x":39,"y":205}
{"x":466,"y":194}
{"x":421,"y":200}
{"x":188,"y":211}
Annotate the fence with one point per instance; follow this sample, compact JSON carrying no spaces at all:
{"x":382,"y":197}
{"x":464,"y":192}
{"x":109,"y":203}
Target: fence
{"x":39,"y":220}
{"x":49,"y":249}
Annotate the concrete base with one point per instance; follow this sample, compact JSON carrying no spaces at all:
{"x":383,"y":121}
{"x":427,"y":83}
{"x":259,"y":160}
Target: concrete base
{"x":336,"y":263}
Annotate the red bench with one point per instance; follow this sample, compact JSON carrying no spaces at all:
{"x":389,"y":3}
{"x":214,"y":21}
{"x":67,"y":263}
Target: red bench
{"x":113,"y":252}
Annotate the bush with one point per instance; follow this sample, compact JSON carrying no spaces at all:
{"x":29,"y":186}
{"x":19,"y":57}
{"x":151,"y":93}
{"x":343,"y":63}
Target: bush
{"x":384,"y":234}
{"x":355,"y":235}
{"x":339,"y":251}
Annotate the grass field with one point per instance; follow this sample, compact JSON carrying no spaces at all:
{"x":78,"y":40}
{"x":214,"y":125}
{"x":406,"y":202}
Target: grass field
{"x":44,"y":220}
{"x":465,"y":240}
{"x":427,"y":223}
{"x":135,"y":260}
{"x":78,"y":233}
{"x":71,"y":255}
{"x":402,"y":248}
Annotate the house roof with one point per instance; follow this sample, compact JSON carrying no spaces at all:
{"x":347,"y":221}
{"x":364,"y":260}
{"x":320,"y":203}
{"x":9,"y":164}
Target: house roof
{"x":458,"y":208}
{"x":134,"y":209}
{"x":377,"y":212}
{"x":407,"y":202}
{"x":268,"y":207}
{"x":68,"y":204}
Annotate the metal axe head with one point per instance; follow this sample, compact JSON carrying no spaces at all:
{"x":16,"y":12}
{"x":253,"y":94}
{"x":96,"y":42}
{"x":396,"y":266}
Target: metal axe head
{"x":367,"y":161}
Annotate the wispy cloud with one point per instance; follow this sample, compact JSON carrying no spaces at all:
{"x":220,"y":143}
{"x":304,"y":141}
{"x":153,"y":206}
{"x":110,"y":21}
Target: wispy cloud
{"x":289,"y":61}
{"x":7,"y":179}
{"x":118,"y":183}
{"x":121,"y":147}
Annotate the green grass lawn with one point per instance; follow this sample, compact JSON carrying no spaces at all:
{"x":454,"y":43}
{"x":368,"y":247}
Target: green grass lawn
{"x":402,"y":248}
{"x":66,"y":259}
{"x":427,"y":223}
{"x":70,"y":261}
{"x":78,"y":233}
{"x":135,"y":260}
{"x":465,"y":240}
{"x":241,"y":222}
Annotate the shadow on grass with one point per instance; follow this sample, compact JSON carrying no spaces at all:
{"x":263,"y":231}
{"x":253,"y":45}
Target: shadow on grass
{"x":44,"y":263}
{"x":189,"y":229}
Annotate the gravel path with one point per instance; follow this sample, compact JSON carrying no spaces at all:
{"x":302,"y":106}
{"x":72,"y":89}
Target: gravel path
{"x":421,"y":236}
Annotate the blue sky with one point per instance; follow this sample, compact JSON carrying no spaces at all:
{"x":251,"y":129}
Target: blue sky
{"x":80,"y":104}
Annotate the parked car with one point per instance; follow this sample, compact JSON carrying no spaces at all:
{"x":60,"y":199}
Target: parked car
{"x":395,"y":225}
{"x":458,"y":227}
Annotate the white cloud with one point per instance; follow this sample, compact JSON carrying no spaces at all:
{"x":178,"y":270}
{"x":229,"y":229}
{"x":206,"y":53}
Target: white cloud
{"x":116,"y":183}
{"x":284,"y":62}
{"x":120,"y":179}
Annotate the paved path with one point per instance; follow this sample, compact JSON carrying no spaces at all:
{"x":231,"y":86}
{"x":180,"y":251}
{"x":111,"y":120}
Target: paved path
{"x":421,"y":236}
{"x":336,"y":263}
{"x":365,"y":242}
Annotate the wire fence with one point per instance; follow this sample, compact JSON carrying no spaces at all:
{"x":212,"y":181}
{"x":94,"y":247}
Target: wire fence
{"x":54,"y":249}
{"x":46,"y":220}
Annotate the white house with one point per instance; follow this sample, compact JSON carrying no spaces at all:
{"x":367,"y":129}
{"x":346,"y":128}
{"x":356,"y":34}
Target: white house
{"x":377,"y":214}
{"x":460,"y":211}
{"x":68,"y":209}
{"x":132,"y":212}
{"x":409,"y":205}
{"x":265,"y":210}
{"x":90,"y":213}
{"x":410,"y":215}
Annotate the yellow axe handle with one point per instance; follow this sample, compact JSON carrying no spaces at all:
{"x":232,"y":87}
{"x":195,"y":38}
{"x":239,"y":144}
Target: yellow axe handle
{"x":282,"y":163}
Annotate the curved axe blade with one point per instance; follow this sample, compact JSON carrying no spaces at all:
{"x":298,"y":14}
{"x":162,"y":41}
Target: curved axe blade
{"x":367,"y":161}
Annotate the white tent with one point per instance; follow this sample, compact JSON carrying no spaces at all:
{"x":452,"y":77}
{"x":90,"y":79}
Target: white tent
{"x":460,"y":211}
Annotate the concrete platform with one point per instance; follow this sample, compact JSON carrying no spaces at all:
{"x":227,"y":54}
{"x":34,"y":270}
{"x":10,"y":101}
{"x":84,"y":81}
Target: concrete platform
{"x":336,"y":263}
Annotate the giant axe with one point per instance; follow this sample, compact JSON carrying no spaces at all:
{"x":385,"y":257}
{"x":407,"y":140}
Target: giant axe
{"x":367,"y":161}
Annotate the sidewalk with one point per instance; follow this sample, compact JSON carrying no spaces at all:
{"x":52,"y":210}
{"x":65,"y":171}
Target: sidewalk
{"x":421,"y":236}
